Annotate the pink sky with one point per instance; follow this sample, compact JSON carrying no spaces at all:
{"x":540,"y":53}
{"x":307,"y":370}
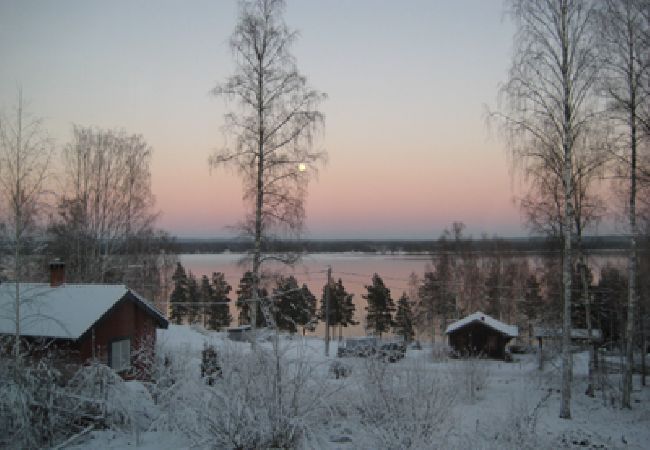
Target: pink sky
{"x":408,"y":84}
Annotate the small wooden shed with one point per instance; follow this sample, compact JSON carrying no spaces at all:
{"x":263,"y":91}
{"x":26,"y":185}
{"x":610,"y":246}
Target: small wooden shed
{"x":480,"y":334}
{"x":579,"y":336}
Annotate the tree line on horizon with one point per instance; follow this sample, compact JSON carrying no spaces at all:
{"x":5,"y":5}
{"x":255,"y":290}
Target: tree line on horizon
{"x":456,"y":283}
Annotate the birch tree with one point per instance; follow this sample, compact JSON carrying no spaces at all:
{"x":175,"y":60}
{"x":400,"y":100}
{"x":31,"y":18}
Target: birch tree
{"x":625,"y":42}
{"x":25,"y":156}
{"x":547,"y":111}
{"x":107,"y":206}
{"x":543,"y":208}
{"x":272,"y":129}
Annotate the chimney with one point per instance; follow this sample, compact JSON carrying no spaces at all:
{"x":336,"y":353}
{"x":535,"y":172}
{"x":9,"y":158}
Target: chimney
{"x":57,"y":273}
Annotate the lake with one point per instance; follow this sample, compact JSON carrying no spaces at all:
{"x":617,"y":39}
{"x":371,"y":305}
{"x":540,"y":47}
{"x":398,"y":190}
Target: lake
{"x":354,"y":269}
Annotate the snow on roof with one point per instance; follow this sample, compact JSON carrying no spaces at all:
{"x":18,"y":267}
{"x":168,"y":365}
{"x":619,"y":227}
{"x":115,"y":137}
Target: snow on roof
{"x":150,"y":307}
{"x":508,"y":330}
{"x":65,"y":311}
{"x":576,"y":333}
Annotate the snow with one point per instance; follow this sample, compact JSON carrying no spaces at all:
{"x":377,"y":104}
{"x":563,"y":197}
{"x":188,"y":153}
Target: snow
{"x":508,"y":330}
{"x":65,"y":311}
{"x":576,"y":333}
{"x":510,"y":405}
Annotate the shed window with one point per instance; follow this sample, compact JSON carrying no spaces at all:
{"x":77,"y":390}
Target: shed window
{"x":121,"y":355}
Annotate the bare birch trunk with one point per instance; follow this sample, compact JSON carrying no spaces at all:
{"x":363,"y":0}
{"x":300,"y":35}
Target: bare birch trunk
{"x":632,"y":259}
{"x":17,"y":223}
{"x":565,"y":407}
{"x":632,"y":271}
{"x":643,"y":343}
{"x":259,"y":203}
{"x":586,"y":299}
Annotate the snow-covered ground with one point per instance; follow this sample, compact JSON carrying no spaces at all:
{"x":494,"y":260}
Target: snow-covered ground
{"x":417,"y":402}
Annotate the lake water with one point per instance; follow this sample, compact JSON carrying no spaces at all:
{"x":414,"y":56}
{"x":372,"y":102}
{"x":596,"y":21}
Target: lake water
{"x":354,"y":269}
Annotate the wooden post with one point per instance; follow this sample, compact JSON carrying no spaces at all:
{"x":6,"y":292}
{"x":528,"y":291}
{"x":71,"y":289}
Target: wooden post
{"x":327,"y":311}
{"x":541,"y":356}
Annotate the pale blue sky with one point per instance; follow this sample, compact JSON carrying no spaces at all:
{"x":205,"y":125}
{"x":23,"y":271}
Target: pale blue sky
{"x":407,"y":81}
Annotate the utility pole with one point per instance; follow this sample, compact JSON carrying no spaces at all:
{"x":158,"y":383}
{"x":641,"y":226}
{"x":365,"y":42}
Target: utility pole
{"x":327,"y":310}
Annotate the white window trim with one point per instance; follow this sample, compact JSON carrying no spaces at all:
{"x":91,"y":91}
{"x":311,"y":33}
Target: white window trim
{"x":121,"y":355}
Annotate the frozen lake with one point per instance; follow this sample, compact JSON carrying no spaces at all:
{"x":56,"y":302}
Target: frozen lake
{"x":354,"y":269}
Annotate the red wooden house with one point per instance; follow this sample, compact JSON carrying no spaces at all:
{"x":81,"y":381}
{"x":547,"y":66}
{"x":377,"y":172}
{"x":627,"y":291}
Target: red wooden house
{"x":108,"y":323}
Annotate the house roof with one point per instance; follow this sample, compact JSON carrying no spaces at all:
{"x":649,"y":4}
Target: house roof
{"x":508,"y":330}
{"x":576,"y":333}
{"x":65,"y":311}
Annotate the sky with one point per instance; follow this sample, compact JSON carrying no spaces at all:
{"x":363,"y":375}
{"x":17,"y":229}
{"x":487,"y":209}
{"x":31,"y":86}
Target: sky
{"x":408,"y":86}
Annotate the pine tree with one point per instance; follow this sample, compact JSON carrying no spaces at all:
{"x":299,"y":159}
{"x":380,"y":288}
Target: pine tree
{"x":219,"y":314}
{"x":341,"y":307}
{"x":532,"y":301}
{"x":347,"y":306}
{"x":380,"y":306}
{"x":178,"y":298}
{"x":244,"y":295}
{"x":578,"y":303}
{"x":206,"y":296}
{"x":427,"y":306}
{"x":610,"y":303}
{"x":335,"y":306}
{"x":436,"y":297}
{"x":193,"y":297}
{"x":493,"y":290}
{"x":310,"y":301}
{"x":294,"y":306}
{"x":404,"y":319}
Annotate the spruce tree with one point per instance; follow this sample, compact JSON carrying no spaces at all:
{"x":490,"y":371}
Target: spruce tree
{"x":244,"y":295}
{"x":178,"y":298}
{"x":404,"y":319}
{"x":206,"y":296}
{"x":293,"y":306}
{"x":335,"y":306}
{"x":309,"y":300}
{"x":347,"y":307}
{"x":532,"y":301}
{"x":219,"y":314}
{"x":427,"y":306}
{"x":193,"y":309}
{"x":436,"y":297}
{"x":610,"y":303}
{"x":380,"y":306}
{"x":341,"y":307}
{"x":493,"y":290}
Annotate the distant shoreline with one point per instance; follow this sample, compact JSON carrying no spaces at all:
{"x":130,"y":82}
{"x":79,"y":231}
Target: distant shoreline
{"x":537,"y":245}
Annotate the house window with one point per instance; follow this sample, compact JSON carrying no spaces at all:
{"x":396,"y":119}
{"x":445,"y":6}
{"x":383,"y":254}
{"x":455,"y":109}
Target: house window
{"x":121,"y":355}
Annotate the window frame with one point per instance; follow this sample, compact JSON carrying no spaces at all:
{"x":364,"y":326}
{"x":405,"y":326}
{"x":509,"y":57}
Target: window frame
{"x":119,"y":357}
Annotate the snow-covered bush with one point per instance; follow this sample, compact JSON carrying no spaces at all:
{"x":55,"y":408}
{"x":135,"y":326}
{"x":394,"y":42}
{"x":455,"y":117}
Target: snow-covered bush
{"x":515,"y":431}
{"x":340,"y":370}
{"x":404,"y":406}
{"x":473,"y":374}
{"x":15,"y":414}
{"x":440,"y":352}
{"x":101,"y":396}
{"x":36,"y":410}
{"x":262,"y":399}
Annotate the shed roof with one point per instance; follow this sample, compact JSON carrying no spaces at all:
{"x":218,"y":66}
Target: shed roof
{"x":508,"y":330}
{"x":65,"y":311}
{"x":576,"y":333}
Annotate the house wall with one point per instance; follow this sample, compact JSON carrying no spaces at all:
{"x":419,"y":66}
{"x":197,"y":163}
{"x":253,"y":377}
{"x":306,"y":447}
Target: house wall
{"x":476,"y":338}
{"x":127,"y":320}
